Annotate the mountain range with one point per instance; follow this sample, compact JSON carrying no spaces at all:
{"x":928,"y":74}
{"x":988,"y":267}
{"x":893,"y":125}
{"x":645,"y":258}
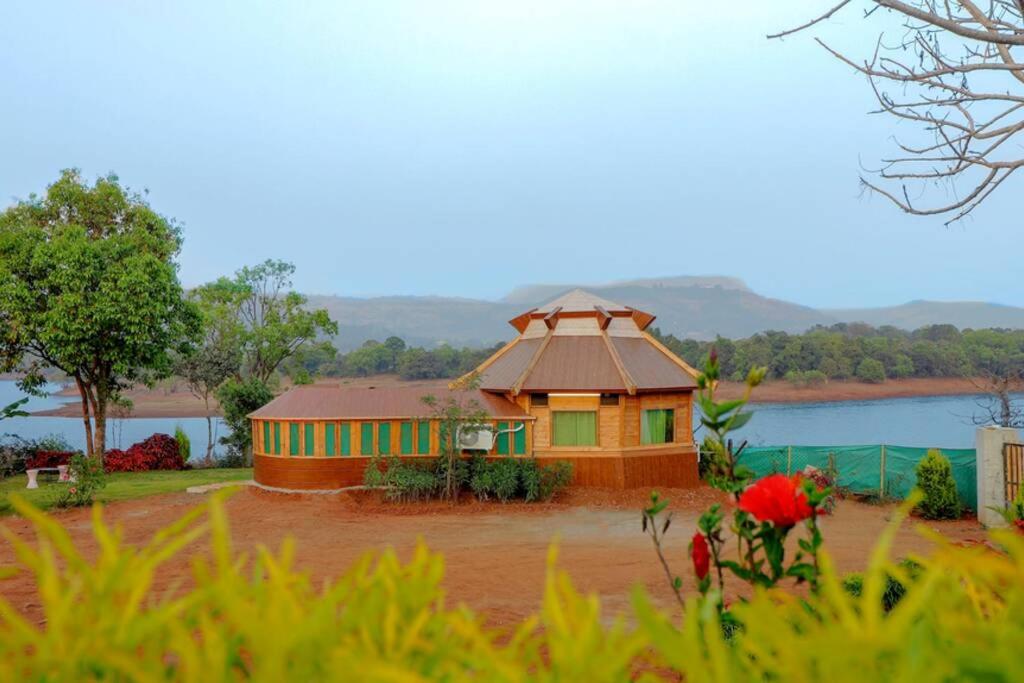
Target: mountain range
{"x":686,"y":306}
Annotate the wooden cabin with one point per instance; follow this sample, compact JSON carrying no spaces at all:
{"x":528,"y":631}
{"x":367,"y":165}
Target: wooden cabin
{"x":583,"y":381}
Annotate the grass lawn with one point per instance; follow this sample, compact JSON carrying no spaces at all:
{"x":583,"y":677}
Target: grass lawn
{"x":120,"y":486}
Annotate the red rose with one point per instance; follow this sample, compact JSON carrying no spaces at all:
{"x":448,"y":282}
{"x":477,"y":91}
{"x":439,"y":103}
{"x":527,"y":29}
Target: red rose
{"x":701,"y":556}
{"x":777,"y":499}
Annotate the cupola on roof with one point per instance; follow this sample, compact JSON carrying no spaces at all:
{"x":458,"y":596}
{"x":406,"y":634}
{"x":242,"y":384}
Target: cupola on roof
{"x":583,"y":342}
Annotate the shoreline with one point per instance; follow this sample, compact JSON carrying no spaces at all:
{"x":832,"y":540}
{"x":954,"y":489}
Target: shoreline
{"x":173,"y":401}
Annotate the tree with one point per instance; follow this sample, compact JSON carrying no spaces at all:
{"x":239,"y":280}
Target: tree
{"x":89,"y":286}
{"x":955,"y":77}
{"x":871,"y":371}
{"x":271,"y":322}
{"x":237,"y":399}
{"x":457,"y":413}
{"x":218,"y":357}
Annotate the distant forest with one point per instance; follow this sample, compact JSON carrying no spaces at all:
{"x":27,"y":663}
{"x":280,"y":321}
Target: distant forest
{"x":862,"y":352}
{"x":388,"y":357}
{"x":843,"y":351}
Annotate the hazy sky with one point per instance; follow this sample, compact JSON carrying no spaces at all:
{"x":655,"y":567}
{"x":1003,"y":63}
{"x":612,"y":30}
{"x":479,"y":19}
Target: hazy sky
{"x":463,"y":148}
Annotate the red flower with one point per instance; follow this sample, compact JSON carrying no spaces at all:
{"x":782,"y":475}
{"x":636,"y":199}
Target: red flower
{"x":777,"y":499}
{"x":701,"y":556}
{"x":1019,"y":524}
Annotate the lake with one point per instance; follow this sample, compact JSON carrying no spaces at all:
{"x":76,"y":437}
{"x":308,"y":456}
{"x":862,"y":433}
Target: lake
{"x":940,"y":421}
{"x":121,"y":433}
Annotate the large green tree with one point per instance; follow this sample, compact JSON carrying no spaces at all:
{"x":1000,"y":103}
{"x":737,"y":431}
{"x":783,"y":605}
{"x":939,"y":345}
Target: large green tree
{"x":89,"y":286}
{"x":267,"y":323}
{"x":271,"y":321}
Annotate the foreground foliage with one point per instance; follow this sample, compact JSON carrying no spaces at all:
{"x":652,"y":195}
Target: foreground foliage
{"x":117,"y":617}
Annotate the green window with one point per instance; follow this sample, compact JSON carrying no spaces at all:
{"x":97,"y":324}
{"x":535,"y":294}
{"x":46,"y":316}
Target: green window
{"x":330,"y":439}
{"x":346,"y":438}
{"x":423,"y":437}
{"x":266,"y":437}
{"x":384,"y":438}
{"x":310,"y":441}
{"x":502,"y":445}
{"x":366,"y":438}
{"x":519,"y":439}
{"x":406,"y":438}
{"x":574,"y":428}
{"x":657,"y":426}
{"x":277,"y":438}
{"x":293,"y":438}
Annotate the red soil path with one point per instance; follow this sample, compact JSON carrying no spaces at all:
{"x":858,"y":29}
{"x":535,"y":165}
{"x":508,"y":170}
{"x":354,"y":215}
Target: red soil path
{"x":495,"y":553}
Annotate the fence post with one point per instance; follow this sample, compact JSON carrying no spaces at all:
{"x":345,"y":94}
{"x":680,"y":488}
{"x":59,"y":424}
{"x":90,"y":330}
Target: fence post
{"x":988,"y":443}
{"x":881,"y":476}
{"x":789,"y":461}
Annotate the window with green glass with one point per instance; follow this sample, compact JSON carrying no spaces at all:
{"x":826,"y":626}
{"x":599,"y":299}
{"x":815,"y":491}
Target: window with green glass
{"x":519,"y":439}
{"x":346,"y":438}
{"x":293,"y":438}
{"x":267,"y":442}
{"x":309,"y":443}
{"x":502,"y":446}
{"x":366,"y":438}
{"x":277,"y":438}
{"x":423,"y":437}
{"x":330,"y":439}
{"x":384,"y":438}
{"x":574,"y":428}
{"x":657,"y":426}
{"x":405,"y":439}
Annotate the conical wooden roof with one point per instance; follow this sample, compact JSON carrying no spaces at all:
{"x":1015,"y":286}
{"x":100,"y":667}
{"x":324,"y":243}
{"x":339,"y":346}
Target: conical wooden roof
{"x":583,"y":342}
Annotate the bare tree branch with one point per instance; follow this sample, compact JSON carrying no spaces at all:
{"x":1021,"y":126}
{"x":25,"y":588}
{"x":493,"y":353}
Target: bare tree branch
{"x":960,"y":83}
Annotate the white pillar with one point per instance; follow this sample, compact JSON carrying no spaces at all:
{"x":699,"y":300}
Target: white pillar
{"x":991,"y":475}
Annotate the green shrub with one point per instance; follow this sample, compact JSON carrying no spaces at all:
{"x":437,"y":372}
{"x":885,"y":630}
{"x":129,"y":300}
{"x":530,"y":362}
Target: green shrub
{"x":506,"y":478}
{"x":871,"y":371}
{"x":481,"y":481}
{"x":935,"y":479}
{"x":554,"y":478}
{"x":894,"y":590}
{"x":87,"y":478}
{"x":184,"y":443}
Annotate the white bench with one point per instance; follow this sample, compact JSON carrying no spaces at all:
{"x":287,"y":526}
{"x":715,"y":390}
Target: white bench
{"x":33,"y":474}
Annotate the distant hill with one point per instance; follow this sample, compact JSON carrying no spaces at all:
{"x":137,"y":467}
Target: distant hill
{"x":910,"y":316}
{"x":687,"y":306}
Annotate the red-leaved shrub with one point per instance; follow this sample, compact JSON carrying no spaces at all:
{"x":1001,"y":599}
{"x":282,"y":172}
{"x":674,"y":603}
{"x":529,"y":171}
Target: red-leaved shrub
{"x":158,"y":452}
{"x":43,"y":459}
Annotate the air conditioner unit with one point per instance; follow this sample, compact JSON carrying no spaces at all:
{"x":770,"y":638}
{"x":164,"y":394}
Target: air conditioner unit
{"x":476,"y":438}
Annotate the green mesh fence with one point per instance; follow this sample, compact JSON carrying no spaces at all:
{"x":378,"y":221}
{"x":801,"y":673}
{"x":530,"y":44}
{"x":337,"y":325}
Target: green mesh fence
{"x":883,"y":470}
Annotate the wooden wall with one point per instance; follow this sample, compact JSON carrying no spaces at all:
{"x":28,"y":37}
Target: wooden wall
{"x":673,"y":467}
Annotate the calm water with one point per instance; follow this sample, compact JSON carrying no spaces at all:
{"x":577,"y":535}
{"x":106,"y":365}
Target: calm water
{"x":120,"y":433}
{"x":941,"y":421}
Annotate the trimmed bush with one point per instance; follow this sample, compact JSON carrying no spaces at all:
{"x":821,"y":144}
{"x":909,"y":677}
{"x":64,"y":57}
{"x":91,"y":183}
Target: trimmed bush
{"x":505,"y":479}
{"x":935,"y":479}
{"x":49,"y":459}
{"x":158,"y":452}
{"x":184,"y":443}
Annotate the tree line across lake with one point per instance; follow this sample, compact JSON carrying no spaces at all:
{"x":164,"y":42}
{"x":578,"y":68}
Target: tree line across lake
{"x":862,"y":352}
{"x":854,"y":351}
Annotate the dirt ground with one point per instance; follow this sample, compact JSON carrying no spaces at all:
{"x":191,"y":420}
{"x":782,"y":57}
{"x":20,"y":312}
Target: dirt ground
{"x":495,"y":554}
{"x":172,"y":399}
